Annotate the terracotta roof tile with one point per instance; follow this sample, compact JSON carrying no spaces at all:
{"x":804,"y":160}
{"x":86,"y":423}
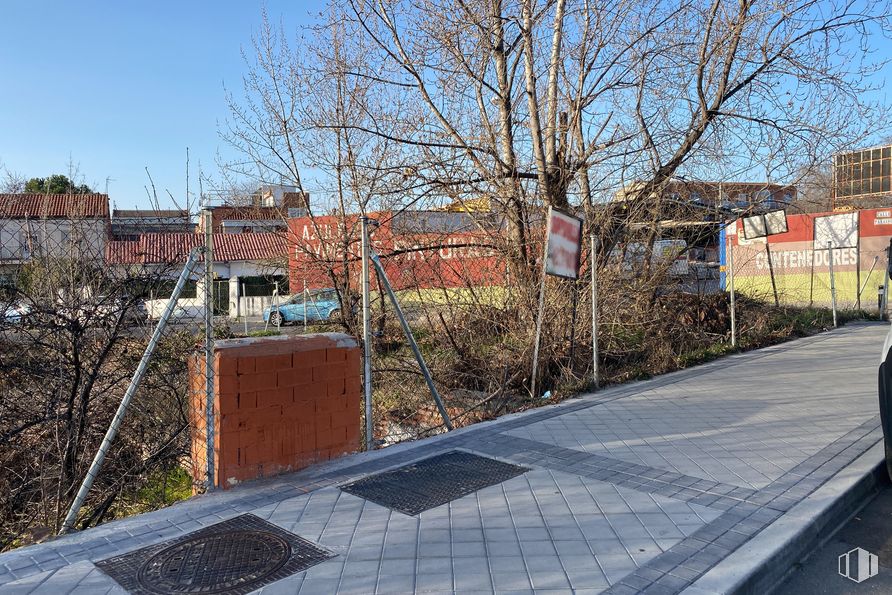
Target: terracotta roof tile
{"x":54,"y":206}
{"x":158,"y":248}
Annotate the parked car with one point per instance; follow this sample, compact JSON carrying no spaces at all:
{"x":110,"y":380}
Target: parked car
{"x":187,"y":312}
{"x":14,"y":313}
{"x":314,"y":306}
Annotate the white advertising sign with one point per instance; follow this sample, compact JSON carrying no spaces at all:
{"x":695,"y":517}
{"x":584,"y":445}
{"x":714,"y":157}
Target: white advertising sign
{"x":769,"y":224}
{"x":563,"y":244}
{"x":840,"y":231}
{"x":754,"y":227}
{"x":776,"y":222}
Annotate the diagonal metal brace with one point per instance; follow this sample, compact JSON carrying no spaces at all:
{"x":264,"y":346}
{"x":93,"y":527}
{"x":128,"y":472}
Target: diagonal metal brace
{"x":408,"y":332}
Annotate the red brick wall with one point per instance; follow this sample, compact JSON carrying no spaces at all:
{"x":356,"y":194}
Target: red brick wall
{"x":282,"y":403}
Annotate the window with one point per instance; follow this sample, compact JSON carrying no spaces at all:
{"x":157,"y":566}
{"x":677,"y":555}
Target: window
{"x":864,"y":172}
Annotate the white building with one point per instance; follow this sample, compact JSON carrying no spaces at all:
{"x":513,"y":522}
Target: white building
{"x":50,"y":225}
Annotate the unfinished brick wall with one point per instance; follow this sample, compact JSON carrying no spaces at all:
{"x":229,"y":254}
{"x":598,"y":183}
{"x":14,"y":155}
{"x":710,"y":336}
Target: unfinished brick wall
{"x":281,"y":403}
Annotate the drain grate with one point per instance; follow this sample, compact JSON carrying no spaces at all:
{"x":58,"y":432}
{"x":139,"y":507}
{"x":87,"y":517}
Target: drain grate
{"x":431,"y":482}
{"x":236,"y":556}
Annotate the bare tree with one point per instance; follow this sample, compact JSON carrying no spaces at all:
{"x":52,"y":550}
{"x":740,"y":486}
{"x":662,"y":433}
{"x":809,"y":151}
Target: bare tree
{"x":70,"y":338}
{"x":12,"y":182}
{"x":537,"y":99}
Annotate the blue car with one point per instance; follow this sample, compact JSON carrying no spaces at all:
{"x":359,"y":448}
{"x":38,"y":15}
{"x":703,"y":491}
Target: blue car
{"x":313,"y":306}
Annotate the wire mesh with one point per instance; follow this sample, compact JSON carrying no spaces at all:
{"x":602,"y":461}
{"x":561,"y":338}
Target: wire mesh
{"x":78,"y":305}
{"x":77,"y":309}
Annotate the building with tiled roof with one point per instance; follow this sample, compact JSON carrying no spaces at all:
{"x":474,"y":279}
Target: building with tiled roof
{"x":129,"y":224}
{"x":54,"y":206}
{"x":50,"y":225}
{"x":173,"y":248}
{"x":249,"y":263}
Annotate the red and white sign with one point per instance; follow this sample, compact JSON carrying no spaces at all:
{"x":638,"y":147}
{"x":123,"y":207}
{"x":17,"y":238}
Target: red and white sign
{"x":564,"y":247}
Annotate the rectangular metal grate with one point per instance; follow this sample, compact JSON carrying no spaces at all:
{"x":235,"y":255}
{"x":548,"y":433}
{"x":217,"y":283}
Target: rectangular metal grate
{"x":431,"y":482}
{"x":236,"y":557}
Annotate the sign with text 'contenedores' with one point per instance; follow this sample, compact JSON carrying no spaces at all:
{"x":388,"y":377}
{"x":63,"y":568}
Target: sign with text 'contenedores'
{"x":564,"y":245}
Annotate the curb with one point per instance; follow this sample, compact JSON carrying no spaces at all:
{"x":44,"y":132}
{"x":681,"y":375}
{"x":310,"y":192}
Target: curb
{"x":762,"y":564}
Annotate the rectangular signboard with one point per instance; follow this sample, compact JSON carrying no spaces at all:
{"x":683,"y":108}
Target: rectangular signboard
{"x":839,"y":231}
{"x":776,"y":222}
{"x":754,"y":227}
{"x":564,"y":244}
{"x":768,"y":224}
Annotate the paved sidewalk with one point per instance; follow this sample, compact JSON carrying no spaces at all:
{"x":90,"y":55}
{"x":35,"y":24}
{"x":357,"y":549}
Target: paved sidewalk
{"x":643,"y":487}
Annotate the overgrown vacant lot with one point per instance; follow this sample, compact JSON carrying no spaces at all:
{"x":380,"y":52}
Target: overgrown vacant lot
{"x":56,"y":404}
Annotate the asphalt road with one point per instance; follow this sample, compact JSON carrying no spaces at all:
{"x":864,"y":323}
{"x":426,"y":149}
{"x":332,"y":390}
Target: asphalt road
{"x":870,"y":529}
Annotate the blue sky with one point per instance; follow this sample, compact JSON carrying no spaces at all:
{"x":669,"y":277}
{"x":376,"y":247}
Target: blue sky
{"x":120,"y":86}
{"x":116,"y":87}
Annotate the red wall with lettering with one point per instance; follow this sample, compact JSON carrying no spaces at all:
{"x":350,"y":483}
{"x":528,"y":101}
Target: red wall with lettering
{"x":442,"y":260}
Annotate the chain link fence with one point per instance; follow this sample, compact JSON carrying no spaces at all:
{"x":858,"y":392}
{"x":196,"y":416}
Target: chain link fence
{"x":79,"y":308}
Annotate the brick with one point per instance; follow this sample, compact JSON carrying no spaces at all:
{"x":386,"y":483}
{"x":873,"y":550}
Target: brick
{"x":311,"y":391}
{"x":308,"y":359}
{"x":336,"y":387}
{"x":323,"y":438}
{"x":353,"y":385}
{"x":283,"y":361}
{"x":265,"y":416}
{"x":226,"y":384}
{"x":322,"y":421}
{"x":354,"y":360}
{"x":335,"y":355}
{"x":353,"y":434}
{"x":276,"y":396}
{"x":228,"y":448}
{"x":249,"y":455}
{"x":345,"y":418}
{"x":326,"y":372}
{"x":338,"y":435}
{"x":354,"y":402}
{"x":256,"y":382}
{"x":266,"y":364}
{"x":247,"y":400}
{"x":232,"y":422}
{"x":308,"y":442}
{"x":290,"y":442}
{"x":226,"y":365}
{"x":329,"y":404}
{"x":226,"y":402}
{"x":294,"y":377}
{"x":246,"y":365}
{"x":266,"y":398}
{"x":300,"y":410}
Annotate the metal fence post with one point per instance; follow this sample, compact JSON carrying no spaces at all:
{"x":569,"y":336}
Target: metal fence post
{"x":306,"y":295}
{"x":209,"y":341}
{"x":731,"y":288}
{"x":539,"y":315}
{"x":366,"y":338}
{"x":245,"y":299}
{"x":832,"y":282}
{"x":279,"y":317}
{"x":594,"y":266}
{"x":112,"y":431}
{"x":885,"y":301}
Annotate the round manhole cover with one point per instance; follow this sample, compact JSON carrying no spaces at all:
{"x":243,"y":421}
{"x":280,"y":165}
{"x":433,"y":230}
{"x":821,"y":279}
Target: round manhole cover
{"x":215,"y":563}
